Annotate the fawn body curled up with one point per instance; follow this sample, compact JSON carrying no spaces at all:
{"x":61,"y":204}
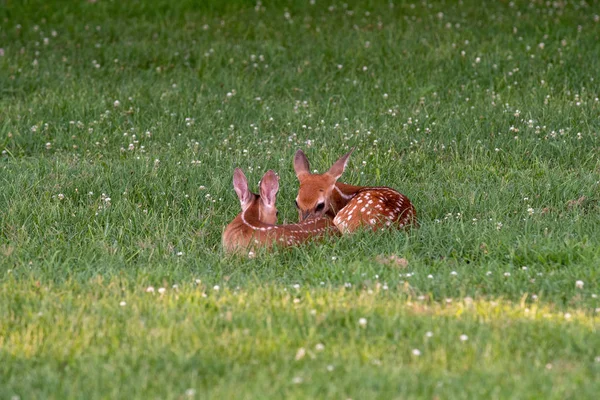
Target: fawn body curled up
{"x":351,"y":207}
{"x":256,"y":225}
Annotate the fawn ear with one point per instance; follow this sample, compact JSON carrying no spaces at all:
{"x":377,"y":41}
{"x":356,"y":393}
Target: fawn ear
{"x":301,"y":165}
{"x":338,"y":167}
{"x":240,"y":184}
{"x":269,"y":186}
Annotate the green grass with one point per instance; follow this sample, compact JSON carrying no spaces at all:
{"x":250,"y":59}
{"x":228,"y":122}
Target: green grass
{"x":497,"y":147}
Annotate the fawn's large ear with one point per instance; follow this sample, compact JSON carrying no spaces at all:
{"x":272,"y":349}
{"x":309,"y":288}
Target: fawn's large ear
{"x":338,"y":167}
{"x":301,"y":165}
{"x":269,"y":186}
{"x":240,"y":184}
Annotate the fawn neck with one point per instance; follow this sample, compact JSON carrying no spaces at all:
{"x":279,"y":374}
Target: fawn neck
{"x":341,"y":195}
{"x":250,"y":218}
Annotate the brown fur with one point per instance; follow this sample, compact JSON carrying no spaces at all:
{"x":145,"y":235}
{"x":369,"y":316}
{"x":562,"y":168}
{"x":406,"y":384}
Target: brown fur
{"x":351,"y":206}
{"x":255,"y":226}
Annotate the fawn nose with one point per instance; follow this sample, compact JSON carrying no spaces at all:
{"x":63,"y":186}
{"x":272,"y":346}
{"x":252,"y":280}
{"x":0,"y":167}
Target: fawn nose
{"x":305,"y":215}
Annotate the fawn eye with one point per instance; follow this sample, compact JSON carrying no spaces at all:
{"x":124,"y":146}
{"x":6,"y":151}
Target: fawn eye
{"x":320,"y":207}
{"x":296,"y":201}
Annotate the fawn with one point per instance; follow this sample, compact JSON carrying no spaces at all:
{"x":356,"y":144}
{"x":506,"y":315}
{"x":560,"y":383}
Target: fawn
{"x":256,"y":225}
{"x":350,"y":206}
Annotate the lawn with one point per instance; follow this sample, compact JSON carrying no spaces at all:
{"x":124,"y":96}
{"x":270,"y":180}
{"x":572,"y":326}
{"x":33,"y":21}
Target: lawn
{"x":121,"y":123}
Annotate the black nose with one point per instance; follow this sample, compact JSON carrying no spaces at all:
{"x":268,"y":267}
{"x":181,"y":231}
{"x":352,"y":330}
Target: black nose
{"x":305,"y":215}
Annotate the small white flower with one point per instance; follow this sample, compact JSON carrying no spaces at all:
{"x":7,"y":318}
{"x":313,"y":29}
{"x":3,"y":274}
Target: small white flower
{"x":362,"y":322}
{"x":319,"y":347}
{"x":296,"y":286}
{"x":297,"y":380}
{"x":530,"y":210}
{"x":117,"y":103}
{"x":216,"y":287}
{"x":488,"y":273}
{"x":579,"y":284}
{"x":190,"y":392}
{"x":330,"y":367}
{"x":300,"y":353}
{"x":61,"y":196}
{"x":161,"y":290}
{"x":453,"y":273}
{"x":464,"y":338}
{"x":429,"y":334}
{"x":150,"y":289}
{"x":122,"y":304}
{"x":567,"y":315}
{"x":429,"y":276}
{"x":416,"y":352}
{"x":507,"y":274}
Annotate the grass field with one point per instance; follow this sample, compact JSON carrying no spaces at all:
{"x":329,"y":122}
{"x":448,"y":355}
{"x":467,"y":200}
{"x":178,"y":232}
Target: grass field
{"x":121,"y":123}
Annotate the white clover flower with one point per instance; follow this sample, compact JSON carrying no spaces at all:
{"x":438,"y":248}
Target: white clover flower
{"x":300,"y":353}
{"x":579,"y":284}
{"x":150,"y":289}
{"x":362,"y":322}
{"x":416,"y":352}
{"x":319,"y":347}
{"x":162,"y":290}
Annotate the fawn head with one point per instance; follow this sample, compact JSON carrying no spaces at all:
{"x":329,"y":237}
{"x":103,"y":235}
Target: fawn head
{"x":314,"y":195}
{"x":263,"y":203}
